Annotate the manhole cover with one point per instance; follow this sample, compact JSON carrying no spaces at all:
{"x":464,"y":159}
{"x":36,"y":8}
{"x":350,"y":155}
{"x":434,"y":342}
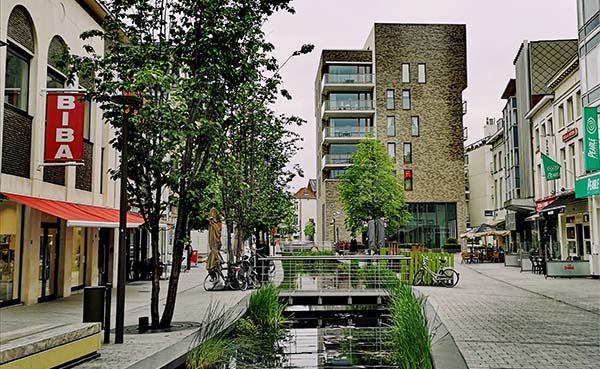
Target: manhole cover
{"x":175,"y":327}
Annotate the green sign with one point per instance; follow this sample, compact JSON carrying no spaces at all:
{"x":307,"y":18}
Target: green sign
{"x":591,"y":150}
{"x":551,"y":168}
{"x":588,"y":186}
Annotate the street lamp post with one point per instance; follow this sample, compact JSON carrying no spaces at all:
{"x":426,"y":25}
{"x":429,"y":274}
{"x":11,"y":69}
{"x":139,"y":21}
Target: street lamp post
{"x":125,"y":100}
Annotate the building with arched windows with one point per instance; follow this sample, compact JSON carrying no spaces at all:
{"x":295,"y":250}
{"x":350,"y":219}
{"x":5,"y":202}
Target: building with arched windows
{"x":51,"y":239}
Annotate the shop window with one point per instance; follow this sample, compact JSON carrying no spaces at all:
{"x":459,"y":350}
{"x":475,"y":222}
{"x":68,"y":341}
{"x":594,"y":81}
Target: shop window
{"x":8,"y":250}
{"x":78,"y":258}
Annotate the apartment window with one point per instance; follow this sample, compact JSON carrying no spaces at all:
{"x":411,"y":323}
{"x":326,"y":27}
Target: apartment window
{"x":573,"y":166}
{"x":414,"y":126}
{"x":561,"y":116}
{"x":408,"y":180}
{"x":494,"y":163}
{"x":422,"y":70}
{"x":549,"y":125}
{"x":405,"y":99}
{"x":569,"y":110}
{"x":578,"y":104}
{"x":590,"y":8}
{"x":563,"y":160}
{"x":101,"y":169}
{"x":500,"y":160}
{"x":391,"y":149}
{"x":391,"y":126}
{"x":87,"y":119}
{"x":407,"y":153}
{"x":390,"y":99}
{"x":406,"y":73}
{"x":16,"y":89}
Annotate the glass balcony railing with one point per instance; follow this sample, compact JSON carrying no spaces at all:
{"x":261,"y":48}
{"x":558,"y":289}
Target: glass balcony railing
{"x":337,"y":159}
{"x":348,"y":78}
{"x":346,"y":132}
{"x":348,"y":105}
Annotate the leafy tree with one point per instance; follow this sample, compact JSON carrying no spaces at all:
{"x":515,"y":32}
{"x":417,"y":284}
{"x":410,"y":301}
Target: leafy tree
{"x":370,"y":190}
{"x":191,"y":63}
{"x":309,"y":229}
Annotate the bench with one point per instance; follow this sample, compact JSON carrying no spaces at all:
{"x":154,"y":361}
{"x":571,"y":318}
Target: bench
{"x":49,"y":345}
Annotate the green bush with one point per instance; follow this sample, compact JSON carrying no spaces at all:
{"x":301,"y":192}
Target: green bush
{"x":451,"y":241}
{"x":410,"y":338}
{"x":265,"y":311}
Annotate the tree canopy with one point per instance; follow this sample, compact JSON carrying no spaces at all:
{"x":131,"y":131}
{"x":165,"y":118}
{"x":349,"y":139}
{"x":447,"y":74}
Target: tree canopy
{"x":369,"y":189}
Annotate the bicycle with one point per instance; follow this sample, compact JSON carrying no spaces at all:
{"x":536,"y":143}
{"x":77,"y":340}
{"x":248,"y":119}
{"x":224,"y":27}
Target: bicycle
{"x":445,"y":276}
{"x":250,"y":272}
{"x":215,"y":277}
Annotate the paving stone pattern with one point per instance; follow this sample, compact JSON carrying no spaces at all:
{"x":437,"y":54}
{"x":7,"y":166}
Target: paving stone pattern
{"x":503,"y":319}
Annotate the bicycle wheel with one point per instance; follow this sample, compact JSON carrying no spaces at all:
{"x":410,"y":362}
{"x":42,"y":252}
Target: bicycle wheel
{"x":271,"y":269}
{"x":253,"y":280}
{"x":418,"y":277}
{"x":450,"y":278}
{"x":211,"y":281}
{"x":241,"y":279}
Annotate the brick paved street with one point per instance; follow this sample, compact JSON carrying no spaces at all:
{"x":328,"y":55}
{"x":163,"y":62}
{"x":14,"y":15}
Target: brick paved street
{"x":503,"y":319}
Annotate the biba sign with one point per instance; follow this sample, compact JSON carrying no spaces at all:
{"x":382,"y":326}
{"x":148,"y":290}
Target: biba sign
{"x":64,"y":127}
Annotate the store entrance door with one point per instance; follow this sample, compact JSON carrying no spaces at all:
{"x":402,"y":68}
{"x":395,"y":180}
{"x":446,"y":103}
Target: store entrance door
{"x":48,"y":262}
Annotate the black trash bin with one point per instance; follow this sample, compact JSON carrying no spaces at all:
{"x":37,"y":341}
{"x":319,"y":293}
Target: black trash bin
{"x":93,"y":304}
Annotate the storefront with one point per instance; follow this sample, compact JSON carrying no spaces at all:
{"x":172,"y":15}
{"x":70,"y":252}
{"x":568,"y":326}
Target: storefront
{"x":430,"y":224}
{"x":50,"y":248}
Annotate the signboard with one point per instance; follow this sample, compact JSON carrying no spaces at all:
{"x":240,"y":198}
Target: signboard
{"x":64,"y":127}
{"x":488,"y":213}
{"x":551,"y":168}
{"x":591,"y":150}
{"x":570,"y":134}
{"x":588,"y":186}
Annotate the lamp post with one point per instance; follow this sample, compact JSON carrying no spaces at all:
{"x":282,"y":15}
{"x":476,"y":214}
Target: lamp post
{"x":125,"y":100}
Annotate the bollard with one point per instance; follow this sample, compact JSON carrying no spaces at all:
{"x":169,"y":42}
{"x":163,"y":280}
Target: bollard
{"x":107,"y":313}
{"x":143,"y":324}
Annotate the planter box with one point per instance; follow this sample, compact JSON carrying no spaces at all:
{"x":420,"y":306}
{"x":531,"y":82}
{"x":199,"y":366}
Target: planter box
{"x":569,"y":269}
{"x":512,"y":260}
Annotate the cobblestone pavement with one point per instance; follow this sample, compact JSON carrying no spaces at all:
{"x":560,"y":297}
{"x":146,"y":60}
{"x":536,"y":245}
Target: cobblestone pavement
{"x":191,"y":306}
{"x":501,"y":318}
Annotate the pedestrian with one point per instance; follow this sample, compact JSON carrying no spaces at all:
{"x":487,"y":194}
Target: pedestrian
{"x":188,"y":250}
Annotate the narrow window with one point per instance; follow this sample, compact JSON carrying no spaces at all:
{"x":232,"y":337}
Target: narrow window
{"x":422,"y":76}
{"x":407,"y":153}
{"x":390,"y":99}
{"x":415,"y":126}
{"x":406,"y":73}
{"x":569,"y":110}
{"x":391,"y":148}
{"x":16,"y":89}
{"x":561,"y":116}
{"x":391,"y":126}
{"x":578,"y":104}
{"x":87,"y":115}
{"x":406,"y":99}
{"x":101,"y":169}
{"x":408,"y":180}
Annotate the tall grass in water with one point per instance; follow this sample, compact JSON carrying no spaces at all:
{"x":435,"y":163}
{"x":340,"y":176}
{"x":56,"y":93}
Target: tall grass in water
{"x":411,"y":342}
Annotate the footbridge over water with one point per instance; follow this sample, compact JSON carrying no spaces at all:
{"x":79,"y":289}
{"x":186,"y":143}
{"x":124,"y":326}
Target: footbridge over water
{"x":338,"y":279}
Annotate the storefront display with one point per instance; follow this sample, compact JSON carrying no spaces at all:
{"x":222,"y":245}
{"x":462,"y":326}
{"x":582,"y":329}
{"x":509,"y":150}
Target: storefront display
{"x":8,"y":252}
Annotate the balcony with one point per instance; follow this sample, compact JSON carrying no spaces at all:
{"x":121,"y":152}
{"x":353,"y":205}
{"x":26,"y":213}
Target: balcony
{"x":345,"y":135}
{"x":355,"y":108}
{"x":336,"y":160}
{"x":346,"y":82}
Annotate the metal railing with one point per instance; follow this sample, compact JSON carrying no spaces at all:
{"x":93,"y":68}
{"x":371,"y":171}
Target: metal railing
{"x":337,"y":159}
{"x":298,"y":246}
{"x":348,"y":105}
{"x":333,"y":132}
{"x":348,"y":78}
{"x":337,"y":272}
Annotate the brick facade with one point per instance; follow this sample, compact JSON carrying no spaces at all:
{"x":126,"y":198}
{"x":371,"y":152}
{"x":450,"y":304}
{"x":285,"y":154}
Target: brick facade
{"x":20,"y":29}
{"x":84,"y":174}
{"x":16,"y":142}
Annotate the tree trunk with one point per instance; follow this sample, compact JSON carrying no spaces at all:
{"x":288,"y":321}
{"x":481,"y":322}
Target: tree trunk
{"x":180,"y":235}
{"x":155,"y":295}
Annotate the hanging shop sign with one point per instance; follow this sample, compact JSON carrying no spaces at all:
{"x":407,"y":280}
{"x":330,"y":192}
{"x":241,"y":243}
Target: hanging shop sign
{"x":591,"y":149}
{"x":64,"y":127}
{"x":551,"y":168}
{"x":588,"y":186}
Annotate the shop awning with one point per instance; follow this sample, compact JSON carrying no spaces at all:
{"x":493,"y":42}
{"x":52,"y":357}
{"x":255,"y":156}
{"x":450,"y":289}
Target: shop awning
{"x":78,"y":215}
{"x":560,"y":203}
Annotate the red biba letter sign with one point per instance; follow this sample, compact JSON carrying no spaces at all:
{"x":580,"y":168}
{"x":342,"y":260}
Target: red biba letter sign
{"x":64,"y":127}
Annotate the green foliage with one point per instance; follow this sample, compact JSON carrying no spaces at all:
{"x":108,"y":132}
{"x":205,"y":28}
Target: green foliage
{"x":411,"y":342}
{"x":212,"y":354}
{"x":451,"y":241}
{"x":369,"y":189}
{"x":265,"y":311}
{"x":309,"y":229}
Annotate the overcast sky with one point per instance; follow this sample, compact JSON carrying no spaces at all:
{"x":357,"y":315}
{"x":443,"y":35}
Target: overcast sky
{"x":495,"y":29}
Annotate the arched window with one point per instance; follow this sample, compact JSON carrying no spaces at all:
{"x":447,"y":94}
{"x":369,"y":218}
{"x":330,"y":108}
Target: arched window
{"x":21,"y":47}
{"x":55,"y":77}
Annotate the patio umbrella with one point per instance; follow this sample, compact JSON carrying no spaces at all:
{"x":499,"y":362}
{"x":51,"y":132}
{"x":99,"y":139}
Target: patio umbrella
{"x":214,"y":238}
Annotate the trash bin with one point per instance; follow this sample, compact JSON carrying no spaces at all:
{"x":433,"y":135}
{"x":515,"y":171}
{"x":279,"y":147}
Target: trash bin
{"x":93,"y":304}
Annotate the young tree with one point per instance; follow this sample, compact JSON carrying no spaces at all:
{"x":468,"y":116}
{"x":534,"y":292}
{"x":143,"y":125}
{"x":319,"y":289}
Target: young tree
{"x":370,"y":190}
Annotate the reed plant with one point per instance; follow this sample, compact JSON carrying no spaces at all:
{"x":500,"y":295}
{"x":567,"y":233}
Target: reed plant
{"x":212,"y":354}
{"x":410,"y":338}
{"x":265,"y":311}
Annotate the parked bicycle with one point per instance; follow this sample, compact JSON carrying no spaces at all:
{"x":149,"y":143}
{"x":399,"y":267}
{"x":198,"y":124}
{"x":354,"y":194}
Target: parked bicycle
{"x":252,"y":279}
{"x":215,"y":277}
{"x":445,"y":276}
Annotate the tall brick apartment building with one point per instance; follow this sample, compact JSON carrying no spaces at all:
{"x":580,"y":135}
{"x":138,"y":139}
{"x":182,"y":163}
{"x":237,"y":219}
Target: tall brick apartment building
{"x":405,"y":88}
